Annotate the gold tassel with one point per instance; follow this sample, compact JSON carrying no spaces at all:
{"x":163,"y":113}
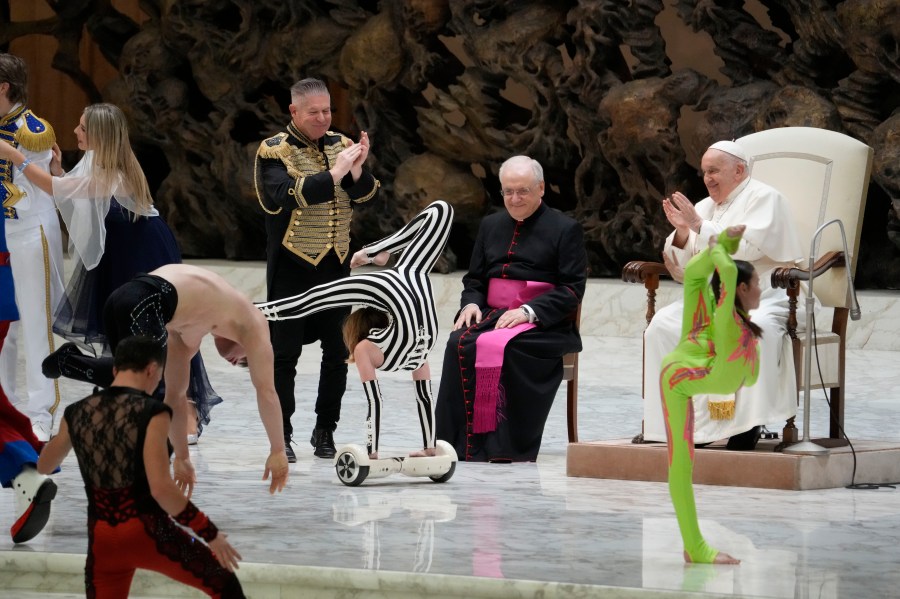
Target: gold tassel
{"x":721,"y":410}
{"x":35,"y":141}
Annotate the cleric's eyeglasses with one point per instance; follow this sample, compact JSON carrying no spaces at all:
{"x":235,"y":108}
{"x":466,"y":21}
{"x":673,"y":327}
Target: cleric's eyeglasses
{"x":521,"y":192}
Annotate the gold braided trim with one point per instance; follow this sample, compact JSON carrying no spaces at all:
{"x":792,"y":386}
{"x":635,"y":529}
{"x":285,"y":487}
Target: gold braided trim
{"x":11,"y":194}
{"x":46,"y":250}
{"x":369,"y":195}
{"x":297,"y":192}
{"x":256,"y":187}
{"x":721,"y":410}
{"x":35,"y":141}
{"x":11,"y":118}
{"x":315,"y":230}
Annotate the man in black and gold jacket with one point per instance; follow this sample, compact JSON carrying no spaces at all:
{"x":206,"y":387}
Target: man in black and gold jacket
{"x":307,"y":179}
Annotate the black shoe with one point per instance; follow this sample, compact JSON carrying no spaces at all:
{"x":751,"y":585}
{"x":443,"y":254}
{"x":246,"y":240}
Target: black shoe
{"x":291,"y":456}
{"x":745,"y":441}
{"x":323,"y":441}
{"x":52,"y":366}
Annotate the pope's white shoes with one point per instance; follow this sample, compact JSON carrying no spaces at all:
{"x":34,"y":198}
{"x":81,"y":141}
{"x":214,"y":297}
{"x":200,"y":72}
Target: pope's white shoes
{"x":34,"y":492}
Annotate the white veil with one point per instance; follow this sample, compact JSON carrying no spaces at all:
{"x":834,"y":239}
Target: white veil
{"x":83,"y":205}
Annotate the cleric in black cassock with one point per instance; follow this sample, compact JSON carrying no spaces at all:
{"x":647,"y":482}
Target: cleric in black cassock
{"x":527,"y":242}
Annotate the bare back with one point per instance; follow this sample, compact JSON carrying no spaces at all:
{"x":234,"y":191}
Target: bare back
{"x":207,"y":303}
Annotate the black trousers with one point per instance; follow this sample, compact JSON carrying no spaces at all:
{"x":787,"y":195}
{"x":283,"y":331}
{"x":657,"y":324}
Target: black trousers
{"x":289,"y":337}
{"x":143,"y":306}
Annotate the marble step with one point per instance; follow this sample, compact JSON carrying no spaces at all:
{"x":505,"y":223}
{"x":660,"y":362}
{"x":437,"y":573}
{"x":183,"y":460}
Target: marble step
{"x":27,"y":575}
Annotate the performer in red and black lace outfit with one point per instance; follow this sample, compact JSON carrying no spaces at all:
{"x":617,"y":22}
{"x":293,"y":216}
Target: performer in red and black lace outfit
{"x":119,"y":436}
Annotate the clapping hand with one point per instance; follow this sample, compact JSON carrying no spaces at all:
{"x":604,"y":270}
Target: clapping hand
{"x":680,"y":213}
{"x":356,"y":169}
{"x":364,"y":144}
{"x":345,"y":161}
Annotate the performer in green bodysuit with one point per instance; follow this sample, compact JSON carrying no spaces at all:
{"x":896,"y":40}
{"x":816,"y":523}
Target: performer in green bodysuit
{"x":717,"y":354}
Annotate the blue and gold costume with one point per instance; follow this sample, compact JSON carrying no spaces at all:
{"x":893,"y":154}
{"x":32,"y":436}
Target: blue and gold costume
{"x":35,"y":243}
{"x":24,"y":130}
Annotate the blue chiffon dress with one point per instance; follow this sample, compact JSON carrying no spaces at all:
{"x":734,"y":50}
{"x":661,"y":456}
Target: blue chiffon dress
{"x":133,"y":246}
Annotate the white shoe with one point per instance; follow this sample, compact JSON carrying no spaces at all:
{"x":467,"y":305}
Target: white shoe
{"x":42,"y":431}
{"x":34,"y":492}
{"x":192,"y":438}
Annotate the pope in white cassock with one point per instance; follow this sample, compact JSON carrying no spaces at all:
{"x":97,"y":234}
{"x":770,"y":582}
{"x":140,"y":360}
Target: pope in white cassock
{"x":769,"y":241}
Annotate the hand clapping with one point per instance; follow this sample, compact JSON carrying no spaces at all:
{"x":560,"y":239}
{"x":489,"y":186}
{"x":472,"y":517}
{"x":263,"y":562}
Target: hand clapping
{"x":364,"y":149}
{"x":345,"y":161}
{"x":351,"y":159}
{"x":680,"y":212}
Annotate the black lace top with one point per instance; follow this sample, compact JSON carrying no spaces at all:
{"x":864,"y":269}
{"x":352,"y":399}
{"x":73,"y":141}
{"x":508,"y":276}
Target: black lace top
{"x":108,"y":431}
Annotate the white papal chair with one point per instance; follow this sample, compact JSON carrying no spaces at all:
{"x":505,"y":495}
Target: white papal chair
{"x":824,"y":175}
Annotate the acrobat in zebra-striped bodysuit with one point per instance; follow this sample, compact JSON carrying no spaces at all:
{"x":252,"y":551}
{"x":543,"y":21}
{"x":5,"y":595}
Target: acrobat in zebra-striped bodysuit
{"x":399,"y":329}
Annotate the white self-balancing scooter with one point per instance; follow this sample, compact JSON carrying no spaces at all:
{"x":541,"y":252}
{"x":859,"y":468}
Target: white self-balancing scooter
{"x":353,"y":465}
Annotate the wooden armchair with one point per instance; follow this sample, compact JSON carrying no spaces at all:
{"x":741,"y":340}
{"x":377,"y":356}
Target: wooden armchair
{"x":570,"y":376}
{"x":824,"y":175}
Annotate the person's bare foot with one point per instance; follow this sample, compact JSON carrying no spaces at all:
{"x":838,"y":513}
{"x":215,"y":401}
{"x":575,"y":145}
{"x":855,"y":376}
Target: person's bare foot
{"x":193,"y":424}
{"x":422,"y":453}
{"x":373,"y":455}
{"x":721,"y":558}
{"x":734,"y":232}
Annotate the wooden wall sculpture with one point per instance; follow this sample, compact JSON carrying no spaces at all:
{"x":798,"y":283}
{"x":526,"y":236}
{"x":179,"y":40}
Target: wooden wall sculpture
{"x":599,"y":91}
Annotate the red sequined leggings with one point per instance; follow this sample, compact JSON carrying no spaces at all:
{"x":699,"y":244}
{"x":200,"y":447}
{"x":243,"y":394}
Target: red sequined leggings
{"x":115,"y":552}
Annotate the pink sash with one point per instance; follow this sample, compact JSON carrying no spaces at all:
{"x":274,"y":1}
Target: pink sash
{"x":490,"y":345}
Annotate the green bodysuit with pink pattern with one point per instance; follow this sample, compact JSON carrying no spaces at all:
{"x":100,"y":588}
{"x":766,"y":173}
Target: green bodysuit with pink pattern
{"x":718,"y":354}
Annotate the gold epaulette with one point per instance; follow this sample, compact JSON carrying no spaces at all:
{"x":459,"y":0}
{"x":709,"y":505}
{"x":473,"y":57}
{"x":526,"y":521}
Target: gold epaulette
{"x":721,"y":410}
{"x":274,"y":147}
{"x":36,"y":135}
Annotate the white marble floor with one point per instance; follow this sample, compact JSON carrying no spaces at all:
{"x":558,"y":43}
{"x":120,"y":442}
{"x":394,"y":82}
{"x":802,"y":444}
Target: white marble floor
{"x":525,"y":521}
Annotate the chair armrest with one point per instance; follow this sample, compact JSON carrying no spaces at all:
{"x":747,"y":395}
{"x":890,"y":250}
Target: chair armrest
{"x":639,"y":271}
{"x":648,"y":273}
{"x":789,"y":278}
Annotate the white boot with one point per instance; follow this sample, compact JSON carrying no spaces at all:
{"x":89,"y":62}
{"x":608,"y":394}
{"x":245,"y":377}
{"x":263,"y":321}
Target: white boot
{"x":34,"y":492}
